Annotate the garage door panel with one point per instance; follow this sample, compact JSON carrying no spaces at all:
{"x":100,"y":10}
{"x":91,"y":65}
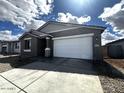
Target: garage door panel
{"x":73,"y":47}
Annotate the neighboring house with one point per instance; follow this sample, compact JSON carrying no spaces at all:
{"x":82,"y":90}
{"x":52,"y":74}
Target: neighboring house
{"x":58,"y":39}
{"x":115,"y":49}
{"x":9,"y":47}
{"x":0,"y":46}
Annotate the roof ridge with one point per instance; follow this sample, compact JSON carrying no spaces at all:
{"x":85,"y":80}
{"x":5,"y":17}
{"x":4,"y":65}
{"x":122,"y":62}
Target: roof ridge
{"x":81,"y":25}
{"x":115,"y":41}
{"x":75,"y":24}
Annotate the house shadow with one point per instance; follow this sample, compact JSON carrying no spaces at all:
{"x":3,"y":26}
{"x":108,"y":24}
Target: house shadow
{"x":63,"y":65}
{"x":4,"y":58}
{"x":106,"y":69}
{"x":76,"y":66}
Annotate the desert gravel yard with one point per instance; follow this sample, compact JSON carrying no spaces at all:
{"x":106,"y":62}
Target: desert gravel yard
{"x":112,"y":85}
{"x":5,"y":67}
{"x":111,"y":82}
{"x":8,"y":62}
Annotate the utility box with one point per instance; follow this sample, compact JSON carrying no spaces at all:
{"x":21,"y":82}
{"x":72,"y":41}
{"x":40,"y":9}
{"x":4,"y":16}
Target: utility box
{"x":47,"y":52}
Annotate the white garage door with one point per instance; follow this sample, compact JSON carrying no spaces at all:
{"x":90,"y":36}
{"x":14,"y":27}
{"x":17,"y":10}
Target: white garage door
{"x":74,"y":47}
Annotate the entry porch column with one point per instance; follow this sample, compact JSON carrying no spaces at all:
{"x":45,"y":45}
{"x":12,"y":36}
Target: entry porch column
{"x":47,"y":49}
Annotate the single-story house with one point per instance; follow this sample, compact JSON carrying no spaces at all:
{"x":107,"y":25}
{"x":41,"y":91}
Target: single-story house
{"x":115,"y":49}
{"x":9,"y":47}
{"x":57,"y":39}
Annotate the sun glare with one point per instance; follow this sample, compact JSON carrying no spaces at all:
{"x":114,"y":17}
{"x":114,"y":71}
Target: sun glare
{"x":81,"y":2}
{"x":77,"y":4}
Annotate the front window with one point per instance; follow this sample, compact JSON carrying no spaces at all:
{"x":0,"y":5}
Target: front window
{"x":28,"y":44}
{"x":16,"y":45}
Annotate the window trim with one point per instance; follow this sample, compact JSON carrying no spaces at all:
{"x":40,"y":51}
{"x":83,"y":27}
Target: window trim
{"x":16,"y":45}
{"x":27,"y":50}
{"x":27,"y":38}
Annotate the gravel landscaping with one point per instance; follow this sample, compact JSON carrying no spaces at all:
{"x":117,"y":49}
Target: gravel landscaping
{"x":12,"y":61}
{"x":111,"y":82}
{"x":112,"y":85}
{"x":6,"y":62}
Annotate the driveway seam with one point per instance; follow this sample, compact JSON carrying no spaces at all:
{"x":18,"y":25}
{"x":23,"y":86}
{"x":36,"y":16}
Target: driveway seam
{"x":14,"y":84}
{"x":34,"y":81}
{"x":41,"y":76}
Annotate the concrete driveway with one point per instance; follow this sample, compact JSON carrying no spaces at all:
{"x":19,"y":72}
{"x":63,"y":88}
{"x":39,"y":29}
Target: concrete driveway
{"x":57,"y":75}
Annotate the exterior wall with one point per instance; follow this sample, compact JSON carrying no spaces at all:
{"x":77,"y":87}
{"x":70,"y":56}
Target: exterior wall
{"x":14,"y":49}
{"x":121,"y":43}
{"x":0,"y":47}
{"x":34,"y":45}
{"x":105,"y":52}
{"x":51,"y":46}
{"x":97,"y":51}
{"x":10,"y":48}
{"x":4,"y":45}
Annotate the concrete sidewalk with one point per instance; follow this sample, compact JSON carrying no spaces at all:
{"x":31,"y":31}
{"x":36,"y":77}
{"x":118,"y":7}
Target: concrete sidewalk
{"x":40,"y":77}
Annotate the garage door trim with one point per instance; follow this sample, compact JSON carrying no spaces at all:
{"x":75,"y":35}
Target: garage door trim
{"x":88,"y":53}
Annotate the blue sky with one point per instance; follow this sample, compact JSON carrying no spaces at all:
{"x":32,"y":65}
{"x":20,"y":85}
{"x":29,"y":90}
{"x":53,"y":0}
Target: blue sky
{"x":74,"y":8}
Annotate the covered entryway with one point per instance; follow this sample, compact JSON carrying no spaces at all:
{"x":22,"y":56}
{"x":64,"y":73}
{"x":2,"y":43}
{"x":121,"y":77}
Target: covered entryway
{"x":41,"y":47}
{"x":79,"y":46}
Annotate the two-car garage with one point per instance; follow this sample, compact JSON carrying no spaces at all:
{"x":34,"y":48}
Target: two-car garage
{"x":67,"y":40}
{"x":77,"y":46}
